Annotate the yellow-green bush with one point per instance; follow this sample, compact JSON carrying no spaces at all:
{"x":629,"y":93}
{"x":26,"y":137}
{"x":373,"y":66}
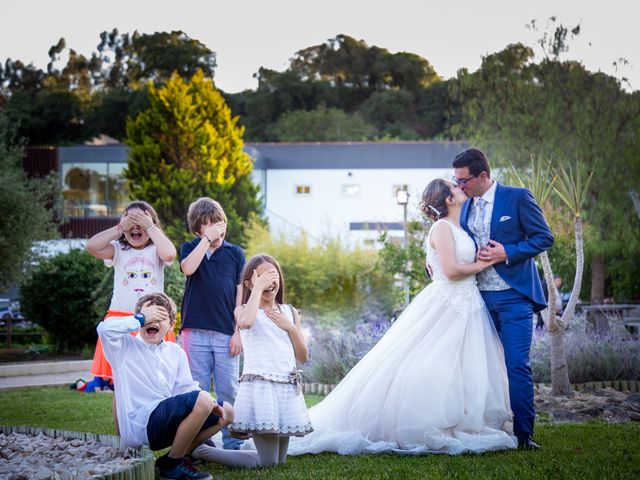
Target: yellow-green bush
{"x":328,"y":279}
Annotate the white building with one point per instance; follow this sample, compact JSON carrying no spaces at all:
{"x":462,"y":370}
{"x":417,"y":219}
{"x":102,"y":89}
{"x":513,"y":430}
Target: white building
{"x":337,"y":189}
{"x":346,"y":189}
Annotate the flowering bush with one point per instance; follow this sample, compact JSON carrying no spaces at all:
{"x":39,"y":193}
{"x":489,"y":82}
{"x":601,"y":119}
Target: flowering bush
{"x":334,"y":353}
{"x":591,"y":357}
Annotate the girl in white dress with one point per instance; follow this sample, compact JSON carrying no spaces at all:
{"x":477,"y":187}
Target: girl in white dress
{"x":269,"y":406}
{"x":436,"y":382}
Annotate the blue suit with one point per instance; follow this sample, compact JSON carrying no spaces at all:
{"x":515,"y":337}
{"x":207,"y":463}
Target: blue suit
{"x":517,"y":223}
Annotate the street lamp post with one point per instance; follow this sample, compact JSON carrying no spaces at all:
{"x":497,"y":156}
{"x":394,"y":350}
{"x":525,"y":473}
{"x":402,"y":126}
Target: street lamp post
{"x":402,"y":197}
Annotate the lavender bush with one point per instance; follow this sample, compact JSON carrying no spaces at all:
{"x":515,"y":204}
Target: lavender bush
{"x":334,"y":353}
{"x":591,"y":357}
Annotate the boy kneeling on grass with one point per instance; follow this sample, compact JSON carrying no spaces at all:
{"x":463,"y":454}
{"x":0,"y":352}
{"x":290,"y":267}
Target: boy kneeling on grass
{"x":159,"y":404}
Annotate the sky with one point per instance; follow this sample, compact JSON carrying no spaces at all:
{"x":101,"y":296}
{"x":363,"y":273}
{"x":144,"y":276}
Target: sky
{"x":249,"y":34}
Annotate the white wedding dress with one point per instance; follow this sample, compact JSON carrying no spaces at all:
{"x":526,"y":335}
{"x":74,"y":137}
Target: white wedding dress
{"x":436,"y":382}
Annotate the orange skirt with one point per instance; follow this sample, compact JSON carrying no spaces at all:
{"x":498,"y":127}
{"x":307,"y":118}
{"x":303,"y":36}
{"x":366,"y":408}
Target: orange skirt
{"x":100,"y":367}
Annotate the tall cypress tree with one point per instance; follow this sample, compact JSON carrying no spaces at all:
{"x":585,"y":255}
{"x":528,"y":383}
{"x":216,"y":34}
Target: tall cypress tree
{"x":187,"y":145}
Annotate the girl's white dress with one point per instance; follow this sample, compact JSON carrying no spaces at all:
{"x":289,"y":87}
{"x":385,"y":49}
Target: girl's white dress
{"x":435,"y":383}
{"x":270,"y":396}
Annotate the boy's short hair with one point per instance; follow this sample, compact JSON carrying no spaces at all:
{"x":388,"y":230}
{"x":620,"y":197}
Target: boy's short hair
{"x":202,"y":211}
{"x":161,"y":300}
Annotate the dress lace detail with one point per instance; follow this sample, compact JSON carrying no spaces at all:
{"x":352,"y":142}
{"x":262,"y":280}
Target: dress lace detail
{"x":463,"y":294}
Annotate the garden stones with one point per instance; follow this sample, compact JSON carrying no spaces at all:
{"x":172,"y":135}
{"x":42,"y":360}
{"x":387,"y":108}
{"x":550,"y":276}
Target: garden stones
{"x":604,"y":403}
{"x":40,"y":457}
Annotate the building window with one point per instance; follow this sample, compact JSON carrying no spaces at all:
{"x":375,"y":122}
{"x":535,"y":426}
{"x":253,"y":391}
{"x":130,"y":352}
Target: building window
{"x":351,"y":190}
{"x":94,"y":189}
{"x":303,"y":190}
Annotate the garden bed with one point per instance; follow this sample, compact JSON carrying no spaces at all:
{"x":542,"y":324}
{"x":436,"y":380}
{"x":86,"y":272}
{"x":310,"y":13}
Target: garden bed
{"x":46,"y":453}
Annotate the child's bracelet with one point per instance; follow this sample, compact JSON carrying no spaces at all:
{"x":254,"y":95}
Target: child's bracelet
{"x":148,"y":229}
{"x":205,"y":236}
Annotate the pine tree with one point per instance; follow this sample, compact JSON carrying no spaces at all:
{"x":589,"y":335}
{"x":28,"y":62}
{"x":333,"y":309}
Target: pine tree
{"x":187,"y":145}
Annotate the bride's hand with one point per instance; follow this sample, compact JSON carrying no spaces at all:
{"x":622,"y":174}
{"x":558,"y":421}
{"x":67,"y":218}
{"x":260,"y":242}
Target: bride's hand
{"x":493,"y":252}
{"x":483,"y":261}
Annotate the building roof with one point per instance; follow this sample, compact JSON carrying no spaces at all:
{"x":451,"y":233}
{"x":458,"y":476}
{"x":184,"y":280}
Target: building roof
{"x":353,"y":155}
{"x":314,"y":156}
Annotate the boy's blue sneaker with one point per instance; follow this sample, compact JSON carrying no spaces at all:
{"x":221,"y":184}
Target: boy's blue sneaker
{"x":182,"y":471}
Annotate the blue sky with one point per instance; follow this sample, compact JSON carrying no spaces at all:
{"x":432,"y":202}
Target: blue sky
{"x":248,"y":34}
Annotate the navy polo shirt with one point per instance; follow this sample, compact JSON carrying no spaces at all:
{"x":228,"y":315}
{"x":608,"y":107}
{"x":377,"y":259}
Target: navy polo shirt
{"x":210,"y":292}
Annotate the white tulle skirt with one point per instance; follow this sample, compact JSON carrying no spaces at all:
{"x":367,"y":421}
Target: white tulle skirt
{"x":435,"y":383}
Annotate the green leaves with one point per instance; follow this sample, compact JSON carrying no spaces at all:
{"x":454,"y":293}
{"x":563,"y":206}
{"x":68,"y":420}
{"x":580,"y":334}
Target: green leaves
{"x":187,"y":145}
{"x":23,"y":208}
{"x":539,"y":177}
{"x":58,"y":296}
{"x":573,"y":186}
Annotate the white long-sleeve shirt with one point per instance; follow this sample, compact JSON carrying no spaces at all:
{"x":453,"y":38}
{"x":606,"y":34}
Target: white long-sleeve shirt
{"x":144,"y":374}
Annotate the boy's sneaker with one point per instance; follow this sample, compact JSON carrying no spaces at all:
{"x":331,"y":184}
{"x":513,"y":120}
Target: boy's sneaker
{"x":183,"y":471}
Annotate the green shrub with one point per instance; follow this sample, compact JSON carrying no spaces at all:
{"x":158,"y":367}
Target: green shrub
{"x":57,"y":296}
{"x":329,"y":281}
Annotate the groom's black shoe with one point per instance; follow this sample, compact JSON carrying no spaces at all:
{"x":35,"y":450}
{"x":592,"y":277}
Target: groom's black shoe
{"x":527,"y":444}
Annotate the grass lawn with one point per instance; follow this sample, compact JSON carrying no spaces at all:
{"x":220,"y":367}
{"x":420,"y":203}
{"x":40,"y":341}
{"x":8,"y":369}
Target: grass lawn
{"x":573,"y":451}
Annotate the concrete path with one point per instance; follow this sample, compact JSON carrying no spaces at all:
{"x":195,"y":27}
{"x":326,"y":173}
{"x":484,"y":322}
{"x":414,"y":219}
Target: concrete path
{"x":41,"y":374}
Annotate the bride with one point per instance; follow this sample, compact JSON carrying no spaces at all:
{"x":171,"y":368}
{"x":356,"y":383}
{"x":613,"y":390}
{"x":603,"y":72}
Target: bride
{"x":436,"y":382}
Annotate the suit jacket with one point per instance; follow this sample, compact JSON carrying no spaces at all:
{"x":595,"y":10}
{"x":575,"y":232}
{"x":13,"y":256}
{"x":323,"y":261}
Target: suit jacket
{"x":518,"y":223}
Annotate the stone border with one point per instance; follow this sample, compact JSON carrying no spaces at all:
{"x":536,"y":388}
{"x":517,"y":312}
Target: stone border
{"x":632,"y":386}
{"x":142,"y":470}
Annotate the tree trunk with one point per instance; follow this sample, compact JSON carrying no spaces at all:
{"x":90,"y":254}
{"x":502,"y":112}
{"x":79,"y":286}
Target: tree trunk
{"x":560,"y":384}
{"x":569,"y":312}
{"x":552,"y":319}
{"x":597,"y":279}
{"x":598,"y":320}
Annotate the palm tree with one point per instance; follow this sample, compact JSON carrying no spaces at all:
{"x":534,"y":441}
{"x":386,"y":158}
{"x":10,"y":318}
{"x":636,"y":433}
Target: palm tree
{"x":570,"y":185}
{"x":540,"y":179}
{"x":571,"y":188}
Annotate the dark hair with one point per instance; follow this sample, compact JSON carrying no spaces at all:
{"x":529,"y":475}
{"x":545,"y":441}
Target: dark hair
{"x":253,"y":263}
{"x":434,"y":198}
{"x":160,"y":299}
{"x":204,"y":210}
{"x":145,"y":207}
{"x":475,"y":159}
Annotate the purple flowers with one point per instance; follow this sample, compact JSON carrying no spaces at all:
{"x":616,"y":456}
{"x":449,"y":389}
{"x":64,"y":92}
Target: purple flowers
{"x":334,"y":353}
{"x":590,"y":357}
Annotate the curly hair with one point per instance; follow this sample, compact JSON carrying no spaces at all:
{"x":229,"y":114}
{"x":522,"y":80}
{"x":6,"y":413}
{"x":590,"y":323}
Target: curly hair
{"x":434,"y":198}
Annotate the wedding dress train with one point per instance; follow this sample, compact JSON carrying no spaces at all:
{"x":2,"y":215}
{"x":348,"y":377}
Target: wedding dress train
{"x":435,"y":383}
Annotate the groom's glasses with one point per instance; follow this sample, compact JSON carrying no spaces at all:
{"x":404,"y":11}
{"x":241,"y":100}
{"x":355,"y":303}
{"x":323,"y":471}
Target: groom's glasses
{"x":461,"y":182}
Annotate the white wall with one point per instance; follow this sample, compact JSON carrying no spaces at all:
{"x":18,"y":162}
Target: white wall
{"x":327,"y":211}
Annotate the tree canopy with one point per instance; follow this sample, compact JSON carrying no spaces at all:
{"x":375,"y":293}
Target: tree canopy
{"x":513,"y":106}
{"x":186,"y":145}
{"x":23,"y":208}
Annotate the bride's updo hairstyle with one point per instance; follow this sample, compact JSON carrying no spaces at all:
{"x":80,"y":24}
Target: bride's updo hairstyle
{"x":433,"y":203}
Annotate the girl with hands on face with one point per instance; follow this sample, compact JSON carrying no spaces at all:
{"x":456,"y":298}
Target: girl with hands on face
{"x":270,"y":390}
{"x":138,"y":251}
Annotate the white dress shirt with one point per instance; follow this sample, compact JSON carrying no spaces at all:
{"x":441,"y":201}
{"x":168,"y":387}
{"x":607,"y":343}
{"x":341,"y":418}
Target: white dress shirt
{"x":144,"y":374}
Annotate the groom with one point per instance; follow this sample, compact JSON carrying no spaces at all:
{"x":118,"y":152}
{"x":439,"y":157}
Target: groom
{"x":510,"y":230}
